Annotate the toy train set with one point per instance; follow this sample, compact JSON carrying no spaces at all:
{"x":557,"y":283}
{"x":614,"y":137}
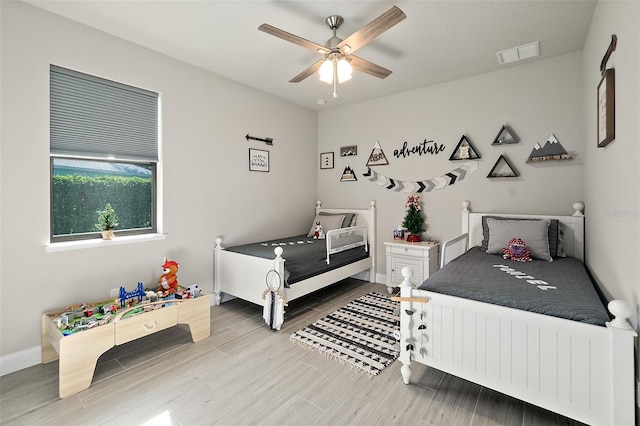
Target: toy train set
{"x":86,"y":316}
{"x":128,"y":303}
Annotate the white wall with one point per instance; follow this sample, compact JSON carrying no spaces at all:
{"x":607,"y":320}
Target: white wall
{"x":208,"y":190}
{"x":612,"y":174}
{"x":535,"y":99}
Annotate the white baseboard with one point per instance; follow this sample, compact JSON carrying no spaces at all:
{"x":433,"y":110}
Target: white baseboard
{"x":19,"y":360}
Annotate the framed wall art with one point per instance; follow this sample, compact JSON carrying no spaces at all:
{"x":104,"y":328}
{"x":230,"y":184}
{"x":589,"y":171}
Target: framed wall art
{"x":258,"y":160}
{"x":326,"y":160}
{"x":347,"y":151}
{"x":606,"y":108}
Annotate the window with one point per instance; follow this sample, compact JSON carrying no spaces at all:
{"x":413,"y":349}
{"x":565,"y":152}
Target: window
{"x":104,"y":149}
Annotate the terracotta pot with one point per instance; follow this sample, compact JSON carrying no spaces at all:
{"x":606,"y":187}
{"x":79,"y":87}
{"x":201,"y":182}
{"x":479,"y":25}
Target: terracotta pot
{"x":107,"y":235}
{"x":414,"y":238}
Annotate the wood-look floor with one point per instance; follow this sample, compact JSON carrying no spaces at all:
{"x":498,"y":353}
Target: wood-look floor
{"x":247,"y":374}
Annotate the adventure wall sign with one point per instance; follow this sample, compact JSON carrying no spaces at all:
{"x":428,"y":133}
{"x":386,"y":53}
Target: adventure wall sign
{"x":423,"y":148}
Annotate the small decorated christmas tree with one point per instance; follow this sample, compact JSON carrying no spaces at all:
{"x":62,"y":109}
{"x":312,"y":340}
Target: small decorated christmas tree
{"x":107,"y":221}
{"x":413,"y":220}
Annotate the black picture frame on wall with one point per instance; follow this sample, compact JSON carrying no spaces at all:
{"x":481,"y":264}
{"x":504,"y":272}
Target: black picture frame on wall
{"x":326,"y":160}
{"x":258,"y":160}
{"x":606,"y":108}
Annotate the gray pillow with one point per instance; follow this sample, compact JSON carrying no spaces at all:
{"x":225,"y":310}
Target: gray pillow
{"x":349,"y":218}
{"x":328,"y":223}
{"x":533,"y":232}
{"x":556,"y":243}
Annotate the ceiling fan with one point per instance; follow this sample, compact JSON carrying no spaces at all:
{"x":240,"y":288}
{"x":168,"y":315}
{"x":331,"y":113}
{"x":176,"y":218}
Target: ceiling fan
{"x":339,"y":60}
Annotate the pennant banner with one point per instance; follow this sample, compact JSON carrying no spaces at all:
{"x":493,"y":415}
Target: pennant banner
{"x":439,"y":182}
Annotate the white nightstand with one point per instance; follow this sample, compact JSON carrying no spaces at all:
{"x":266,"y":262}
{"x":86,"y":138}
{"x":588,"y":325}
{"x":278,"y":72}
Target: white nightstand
{"x":421,"y":257}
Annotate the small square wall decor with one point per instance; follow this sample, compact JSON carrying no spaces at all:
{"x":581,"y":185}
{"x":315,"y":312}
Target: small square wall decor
{"x":326,"y":160}
{"x":258,"y":160}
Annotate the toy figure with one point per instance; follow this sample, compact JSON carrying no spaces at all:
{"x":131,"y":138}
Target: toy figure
{"x":318,"y":234}
{"x":168,"y":281}
{"x":517,"y":251}
{"x":464,"y":152}
{"x":194,"y":290}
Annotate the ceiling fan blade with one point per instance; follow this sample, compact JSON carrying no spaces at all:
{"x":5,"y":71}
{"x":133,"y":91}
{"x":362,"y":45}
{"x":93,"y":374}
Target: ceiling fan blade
{"x":367,"y":67}
{"x":269,"y":29}
{"x":306,"y":73}
{"x":372,"y":30}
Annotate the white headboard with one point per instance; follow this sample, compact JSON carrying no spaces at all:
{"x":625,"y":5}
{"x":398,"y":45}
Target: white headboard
{"x":572,"y":227}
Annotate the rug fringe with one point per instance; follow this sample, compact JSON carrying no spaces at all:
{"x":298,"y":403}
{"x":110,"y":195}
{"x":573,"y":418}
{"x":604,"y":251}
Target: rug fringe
{"x":334,"y":357}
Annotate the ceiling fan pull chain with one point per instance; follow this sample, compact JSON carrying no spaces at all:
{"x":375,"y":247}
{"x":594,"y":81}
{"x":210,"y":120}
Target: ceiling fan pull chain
{"x":335,"y":79}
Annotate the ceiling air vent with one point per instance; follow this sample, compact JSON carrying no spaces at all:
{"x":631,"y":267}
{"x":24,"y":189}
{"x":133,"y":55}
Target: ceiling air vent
{"x":518,"y":53}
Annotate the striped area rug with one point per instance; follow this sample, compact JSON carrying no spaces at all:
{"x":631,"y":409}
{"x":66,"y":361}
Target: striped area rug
{"x":360,"y":334}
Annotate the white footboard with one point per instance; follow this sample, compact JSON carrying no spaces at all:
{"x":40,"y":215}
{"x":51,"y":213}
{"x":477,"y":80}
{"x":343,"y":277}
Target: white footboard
{"x":581,"y":371}
{"x":243,"y":276}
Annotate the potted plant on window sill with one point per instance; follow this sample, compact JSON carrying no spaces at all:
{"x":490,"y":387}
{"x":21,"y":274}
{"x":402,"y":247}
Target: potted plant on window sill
{"x":413,"y":220}
{"x":107,"y":221}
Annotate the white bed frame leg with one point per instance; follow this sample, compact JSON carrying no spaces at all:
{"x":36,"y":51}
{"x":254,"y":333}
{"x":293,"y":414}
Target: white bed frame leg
{"x":405,"y":370}
{"x":405,"y":329}
{"x":217,"y":296}
{"x":373,"y":244}
{"x":622,"y":335}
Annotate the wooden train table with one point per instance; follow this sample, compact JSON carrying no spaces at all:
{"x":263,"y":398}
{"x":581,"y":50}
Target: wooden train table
{"x":79,"y":352}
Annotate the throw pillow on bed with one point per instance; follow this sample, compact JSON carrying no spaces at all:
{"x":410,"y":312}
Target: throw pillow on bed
{"x":534,"y":232}
{"x":555,"y":236}
{"x":328,"y":223}
{"x":349,"y":218}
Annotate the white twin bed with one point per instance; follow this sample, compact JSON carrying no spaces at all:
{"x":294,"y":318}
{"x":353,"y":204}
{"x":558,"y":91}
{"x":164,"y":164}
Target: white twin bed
{"x":580,"y":370}
{"x":245,"y":276}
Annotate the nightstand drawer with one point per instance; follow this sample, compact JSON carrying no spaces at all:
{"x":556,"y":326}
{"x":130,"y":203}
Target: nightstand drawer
{"x":409,"y":251}
{"x":148,"y":323}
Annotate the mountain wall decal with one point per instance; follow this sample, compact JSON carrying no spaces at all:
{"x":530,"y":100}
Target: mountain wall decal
{"x":552,"y":150}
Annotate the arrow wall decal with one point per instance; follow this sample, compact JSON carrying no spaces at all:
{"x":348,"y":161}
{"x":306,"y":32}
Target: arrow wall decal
{"x":268,"y":141}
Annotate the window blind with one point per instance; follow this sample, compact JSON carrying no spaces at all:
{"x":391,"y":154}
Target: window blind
{"x":94,"y":117}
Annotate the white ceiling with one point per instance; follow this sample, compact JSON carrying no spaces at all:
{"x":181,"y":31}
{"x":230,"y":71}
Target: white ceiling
{"x":439,"y":41}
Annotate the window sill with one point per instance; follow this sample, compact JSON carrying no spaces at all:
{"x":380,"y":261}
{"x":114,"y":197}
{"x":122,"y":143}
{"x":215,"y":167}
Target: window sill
{"x":85,"y":244}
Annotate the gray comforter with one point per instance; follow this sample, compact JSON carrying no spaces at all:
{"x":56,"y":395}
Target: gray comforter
{"x":304,"y":256}
{"x":561,"y":288}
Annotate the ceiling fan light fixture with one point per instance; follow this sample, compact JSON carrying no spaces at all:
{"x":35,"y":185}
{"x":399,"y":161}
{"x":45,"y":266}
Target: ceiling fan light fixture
{"x":326,"y":71}
{"x":344,"y":70}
